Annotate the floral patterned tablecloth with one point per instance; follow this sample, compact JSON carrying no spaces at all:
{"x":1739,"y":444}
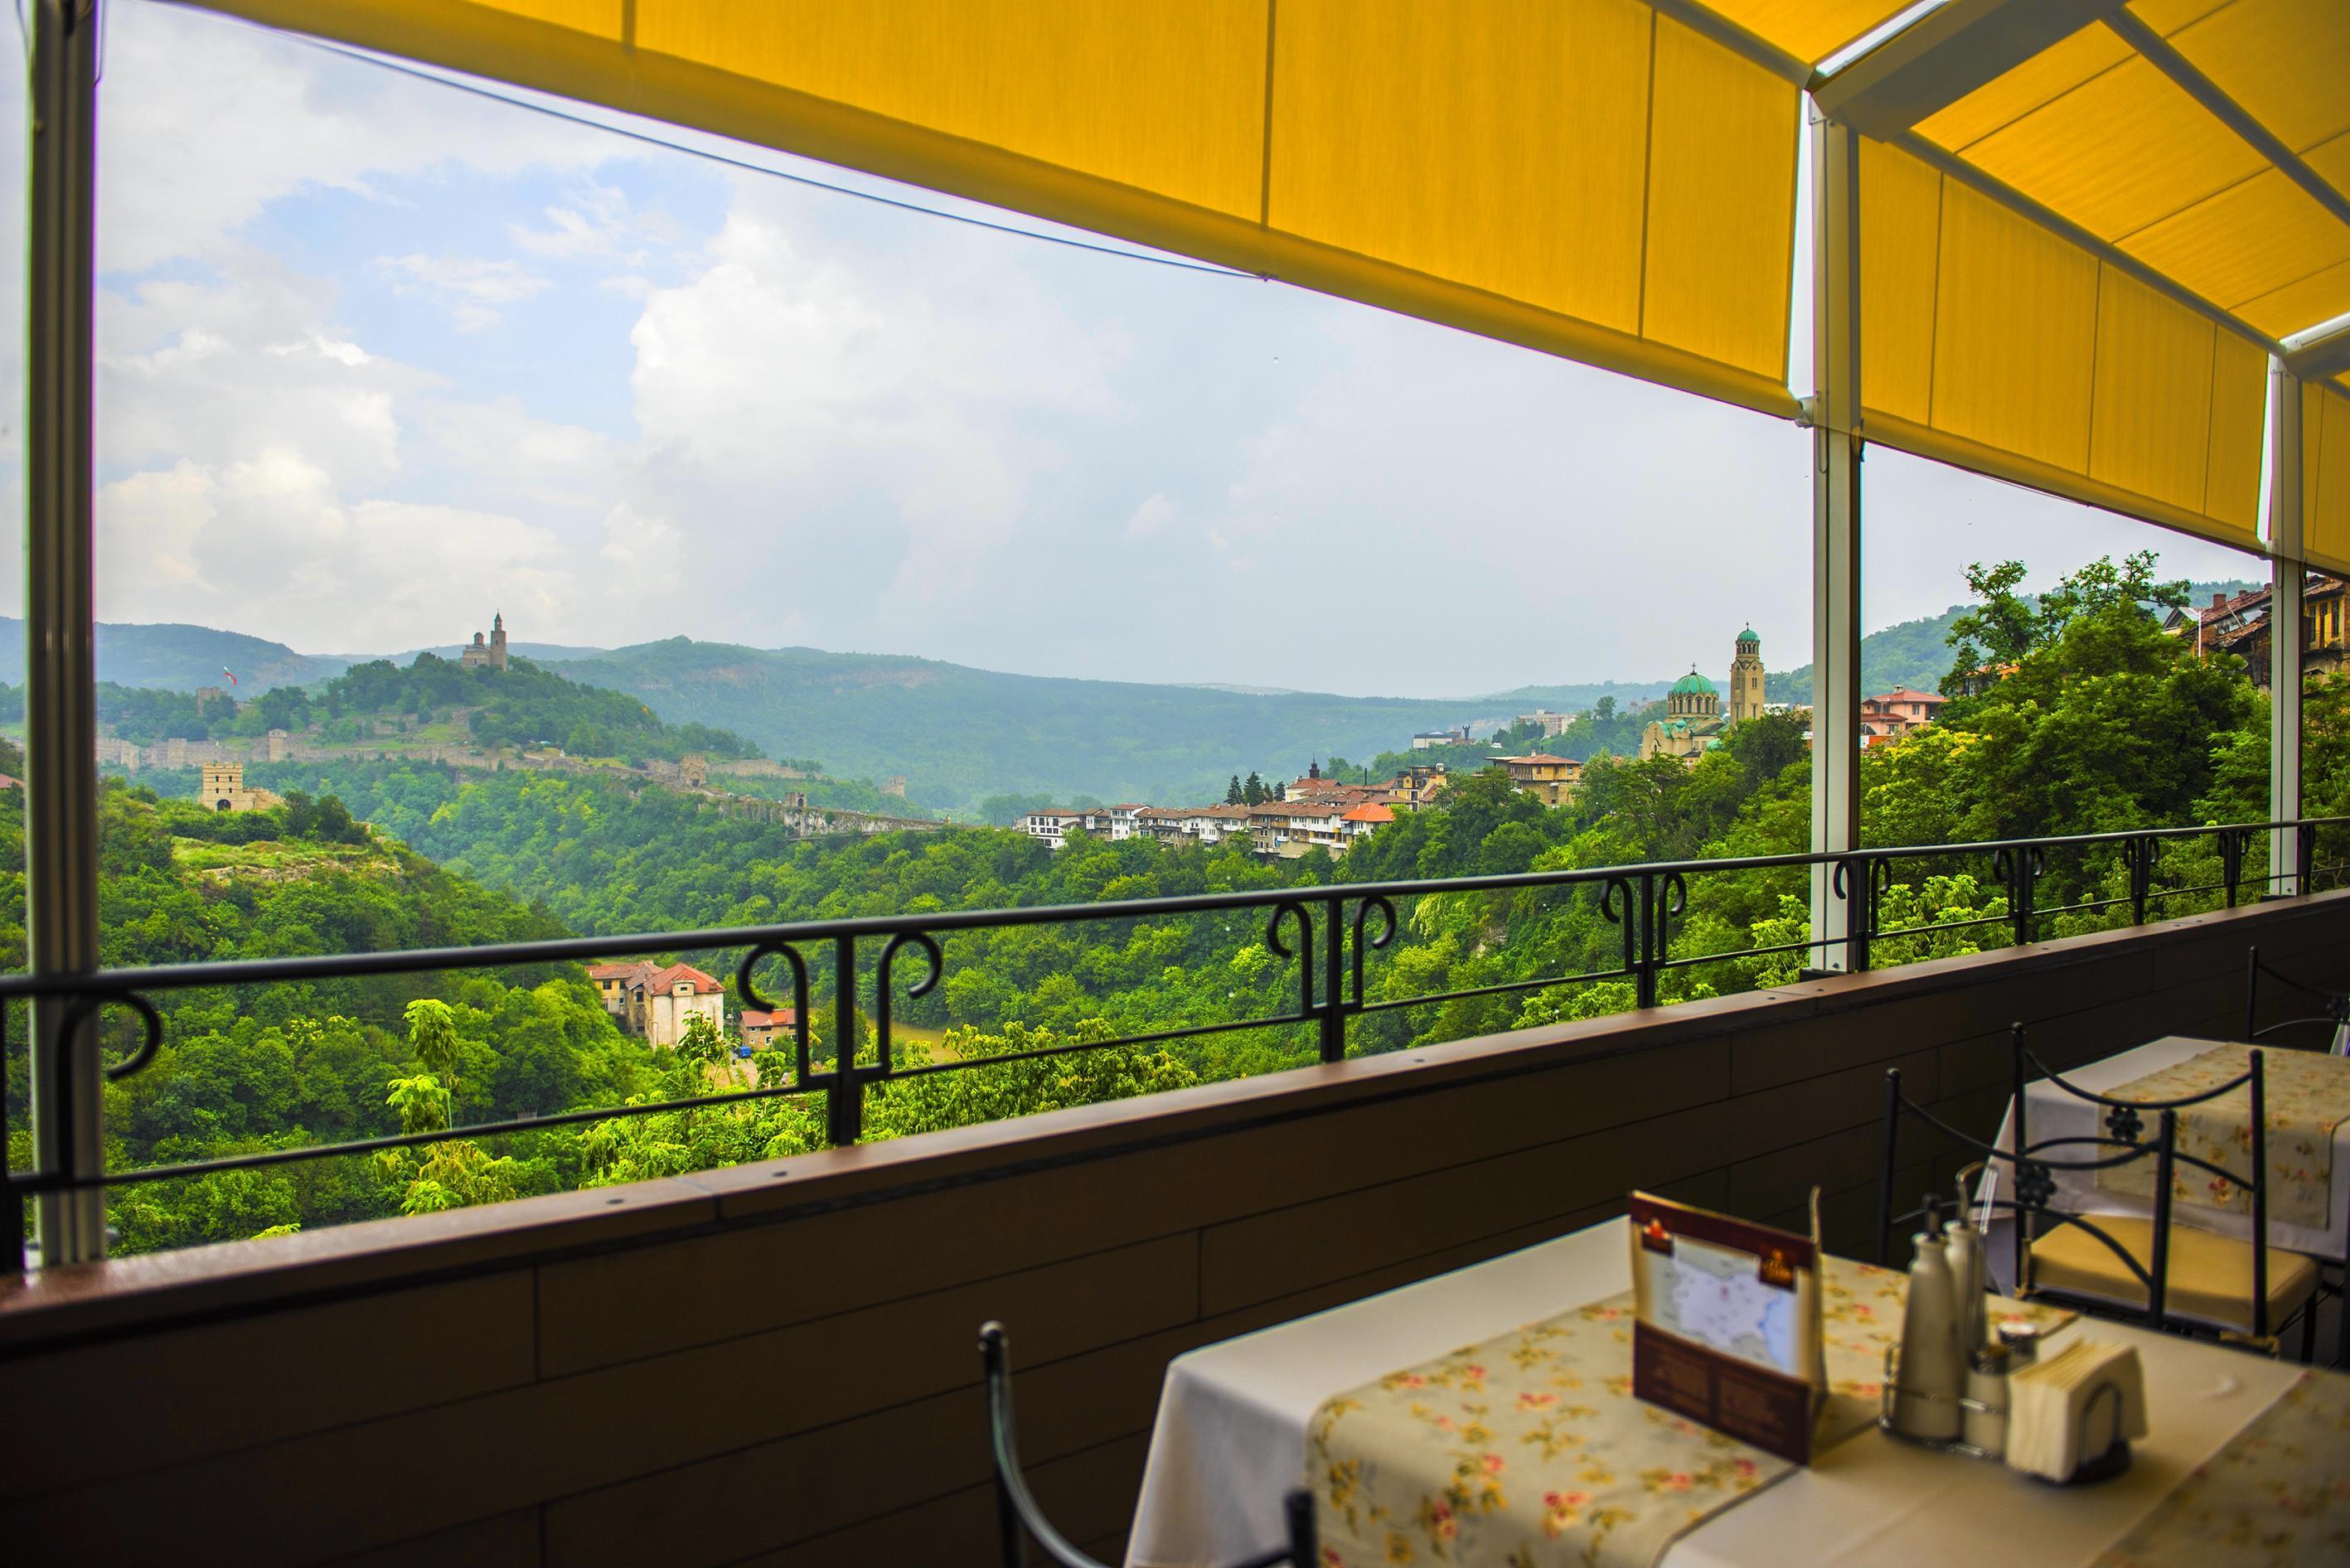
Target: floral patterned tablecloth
{"x":2305,"y":1096}
{"x":2278,"y":1494}
{"x":1529,"y":1450}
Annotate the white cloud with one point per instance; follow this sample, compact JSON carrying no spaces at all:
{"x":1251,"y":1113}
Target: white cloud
{"x":206,"y":121}
{"x":1155,"y":516}
{"x":597,"y":221}
{"x":473,"y":287}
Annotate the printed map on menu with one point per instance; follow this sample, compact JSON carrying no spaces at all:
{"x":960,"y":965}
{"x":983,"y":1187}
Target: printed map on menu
{"x":1710,"y":1294}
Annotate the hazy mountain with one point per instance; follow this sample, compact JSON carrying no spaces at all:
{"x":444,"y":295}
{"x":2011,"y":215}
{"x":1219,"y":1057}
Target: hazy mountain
{"x":959,"y":734}
{"x":182,"y":657}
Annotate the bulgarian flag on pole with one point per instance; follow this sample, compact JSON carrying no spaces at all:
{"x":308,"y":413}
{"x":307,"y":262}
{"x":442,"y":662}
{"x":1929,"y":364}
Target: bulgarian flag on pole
{"x":230,"y":673}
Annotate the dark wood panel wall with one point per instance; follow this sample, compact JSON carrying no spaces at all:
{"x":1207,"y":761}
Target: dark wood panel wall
{"x":776,"y":1364}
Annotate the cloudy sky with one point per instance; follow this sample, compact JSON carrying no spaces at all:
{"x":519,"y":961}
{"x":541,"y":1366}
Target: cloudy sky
{"x":379,"y":358}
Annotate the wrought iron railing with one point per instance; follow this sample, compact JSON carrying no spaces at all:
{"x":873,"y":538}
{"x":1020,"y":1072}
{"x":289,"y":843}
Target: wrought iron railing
{"x":1353,"y":921}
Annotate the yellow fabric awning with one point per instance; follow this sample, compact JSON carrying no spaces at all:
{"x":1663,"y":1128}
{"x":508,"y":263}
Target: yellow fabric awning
{"x":1612,"y":181}
{"x":2325,"y":475}
{"x":1991,"y":343}
{"x":2101,"y":135}
{"x":1585,"y":177}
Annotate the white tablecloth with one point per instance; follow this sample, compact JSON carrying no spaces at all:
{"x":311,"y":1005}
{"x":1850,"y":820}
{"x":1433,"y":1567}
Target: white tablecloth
{"x":1231,"y":1437}
{"x":2052,"y":1113}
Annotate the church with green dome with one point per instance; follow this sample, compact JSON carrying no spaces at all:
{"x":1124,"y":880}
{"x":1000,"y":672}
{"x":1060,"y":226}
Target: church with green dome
{"x":1694,"y":720}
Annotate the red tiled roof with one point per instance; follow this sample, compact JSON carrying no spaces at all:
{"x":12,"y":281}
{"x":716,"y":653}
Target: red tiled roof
{"x":1911,"y":695}
{"x":670,"y":978}
{"x":1369,"y":812}
{"x":781,"y":1018}
{"x":618,"y":970}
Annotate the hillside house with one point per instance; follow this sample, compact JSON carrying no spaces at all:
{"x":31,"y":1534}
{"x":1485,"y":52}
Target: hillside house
{"x":1896,"y":714}
{"x":657,"y":1003}
{"x":770,"y":1031}
{"x":1550,"y":780}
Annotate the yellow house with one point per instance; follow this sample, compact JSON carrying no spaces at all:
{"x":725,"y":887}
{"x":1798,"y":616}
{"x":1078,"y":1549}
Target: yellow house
{"x":1551,"y":780}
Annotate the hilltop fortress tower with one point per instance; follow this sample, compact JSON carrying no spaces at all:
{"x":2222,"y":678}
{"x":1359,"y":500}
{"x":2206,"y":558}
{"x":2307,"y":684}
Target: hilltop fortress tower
{"x":493,"y":653}
{"x":222,"y":788}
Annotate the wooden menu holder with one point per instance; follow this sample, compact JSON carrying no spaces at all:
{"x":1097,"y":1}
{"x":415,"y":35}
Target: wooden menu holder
{"x":1727,"y":1331}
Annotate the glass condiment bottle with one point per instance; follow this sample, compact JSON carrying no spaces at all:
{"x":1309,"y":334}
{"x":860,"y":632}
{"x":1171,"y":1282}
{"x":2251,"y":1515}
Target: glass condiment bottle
{"x":1962,"y":1244}
{"x":1933,"y":1367}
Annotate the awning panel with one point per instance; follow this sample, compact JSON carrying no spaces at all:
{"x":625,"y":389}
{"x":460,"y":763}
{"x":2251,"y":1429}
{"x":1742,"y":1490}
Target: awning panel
{"x":2112,"y":140}
{"x":2150,"y":405}
{"x":1900,"y":242}
{"x":1439,"y":141}
{"x":1721,"y":203}
{"x":1810,"y":29}
{"x":1169,"y":98}
{"x":2299,"y":91}
{"x":2325,"y":476}
{"x":2015,"y":329}
{"x":1991,"y":343}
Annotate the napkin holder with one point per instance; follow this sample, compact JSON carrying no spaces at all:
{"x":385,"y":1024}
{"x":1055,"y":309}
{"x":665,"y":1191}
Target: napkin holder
{"x":2113,"y":1460}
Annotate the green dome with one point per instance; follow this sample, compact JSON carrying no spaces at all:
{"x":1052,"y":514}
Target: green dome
{"x":1747,"y":636}
{"x":1691,"y":682}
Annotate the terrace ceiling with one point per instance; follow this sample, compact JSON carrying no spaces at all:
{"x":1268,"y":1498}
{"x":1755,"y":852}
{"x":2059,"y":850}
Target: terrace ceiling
{"x":2085,"y":224}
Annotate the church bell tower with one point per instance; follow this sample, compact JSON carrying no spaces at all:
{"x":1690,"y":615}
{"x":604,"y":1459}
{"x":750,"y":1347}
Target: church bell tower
{"x":1746,"y":678}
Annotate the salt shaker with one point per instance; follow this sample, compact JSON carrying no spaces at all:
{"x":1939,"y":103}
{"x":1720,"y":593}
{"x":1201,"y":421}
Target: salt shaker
{"x":1933,"y":1367}
{"x":1986,"y":1418}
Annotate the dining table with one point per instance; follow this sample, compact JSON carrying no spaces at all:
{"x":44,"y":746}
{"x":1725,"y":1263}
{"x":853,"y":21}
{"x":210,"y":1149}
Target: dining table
{"x":2319,"y":1226}
{"x":1231,"y":1431}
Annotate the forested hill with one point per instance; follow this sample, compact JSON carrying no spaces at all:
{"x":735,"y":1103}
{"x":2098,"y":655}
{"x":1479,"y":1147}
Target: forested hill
{"x":959,"y":735}
{"x":1918,"y":652}
{"x":519,"y":705}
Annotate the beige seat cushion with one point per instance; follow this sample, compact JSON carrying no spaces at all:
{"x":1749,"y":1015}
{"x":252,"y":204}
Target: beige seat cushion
{"x":2210,"y":1275}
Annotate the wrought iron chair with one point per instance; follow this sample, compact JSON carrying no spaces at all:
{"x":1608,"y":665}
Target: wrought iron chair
{"x":2207,"y":1273}
{"x":1018,"y":1519}
{"x":2334,"y":1013}
{"x":2035,"y":1184}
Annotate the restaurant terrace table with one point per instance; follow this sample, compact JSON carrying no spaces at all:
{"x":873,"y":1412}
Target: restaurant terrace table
{"x":2052,"y":1113}
{"x":1231,"y":1436}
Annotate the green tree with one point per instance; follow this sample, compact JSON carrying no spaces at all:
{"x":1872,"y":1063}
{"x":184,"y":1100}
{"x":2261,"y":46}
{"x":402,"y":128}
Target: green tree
{"x":432,"y":1037}
{"x":1998,"y":630}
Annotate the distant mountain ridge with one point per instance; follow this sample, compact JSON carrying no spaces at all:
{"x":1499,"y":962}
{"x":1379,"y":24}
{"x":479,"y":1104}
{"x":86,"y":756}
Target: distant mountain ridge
{"x":958,"y":733}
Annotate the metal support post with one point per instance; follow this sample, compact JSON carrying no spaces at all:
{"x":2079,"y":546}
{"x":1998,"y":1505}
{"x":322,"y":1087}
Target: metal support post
{"x":1835,"y":526}
{"x":61,"y":673}
{"x":845,"y":1098}
{"x":2285,"y":626}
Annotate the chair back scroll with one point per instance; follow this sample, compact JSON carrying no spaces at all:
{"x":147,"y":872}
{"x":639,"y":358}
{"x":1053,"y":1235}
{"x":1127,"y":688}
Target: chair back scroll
{"x":2124,"y":1120}
{"x":2034,"y":1184}
{"x":1018,"y":1519}
{"x":2334,"y":1015}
